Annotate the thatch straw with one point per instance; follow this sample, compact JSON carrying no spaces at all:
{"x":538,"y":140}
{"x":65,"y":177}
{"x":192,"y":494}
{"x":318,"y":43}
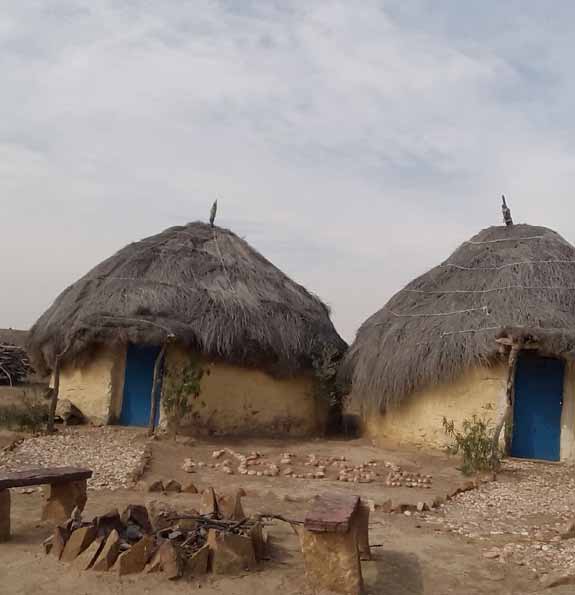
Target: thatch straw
{"x":447,"y":320}
{"x":207,"y":287}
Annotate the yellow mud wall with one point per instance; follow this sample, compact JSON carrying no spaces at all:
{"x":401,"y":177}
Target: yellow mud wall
{"x":245,"y":401}
{"x":96,"y":385}
{"x":568,"y":415}
{"x":418,"y":420}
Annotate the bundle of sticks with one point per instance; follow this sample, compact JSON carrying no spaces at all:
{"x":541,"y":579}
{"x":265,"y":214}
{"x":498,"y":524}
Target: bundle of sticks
{"x":15,"y":366}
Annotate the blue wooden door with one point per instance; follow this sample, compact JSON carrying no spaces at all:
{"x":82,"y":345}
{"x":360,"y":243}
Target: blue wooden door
{"x":537,"y":408}
{"x":136,"y":403}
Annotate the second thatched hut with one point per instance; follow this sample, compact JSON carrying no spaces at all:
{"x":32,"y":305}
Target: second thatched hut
{"x":441,"y":346}
{"x":251,"y":337}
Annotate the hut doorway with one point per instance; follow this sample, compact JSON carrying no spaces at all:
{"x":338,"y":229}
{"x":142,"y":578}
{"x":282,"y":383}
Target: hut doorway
{"x":138,"y":380}
{"x":537,"y":408}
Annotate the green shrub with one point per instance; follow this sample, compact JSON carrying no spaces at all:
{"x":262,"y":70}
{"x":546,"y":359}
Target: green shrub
{"x":475,"y":444}
{"x":181,"y":386}
{"x":327,"y":388}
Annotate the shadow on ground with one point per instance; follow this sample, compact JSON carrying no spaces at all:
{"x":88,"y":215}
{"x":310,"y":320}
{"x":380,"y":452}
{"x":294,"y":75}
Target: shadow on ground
{"x":393,"y":573}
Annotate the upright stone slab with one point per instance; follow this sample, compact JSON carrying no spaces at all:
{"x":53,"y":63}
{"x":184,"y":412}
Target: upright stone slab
{"x":87,"y":558}
{"x":4,"y":515}
{"x":62,"y":500}
{"x":197,"y":565}
{"x":171,"y":561}
{"x":79,"y":540}
{"x":209,"y":502}
{"x":59,"y":539}
{"x":135,"y":559}
{"x":231,"y":554}
{"x":229,"y":505}
{"x":109,"y":553}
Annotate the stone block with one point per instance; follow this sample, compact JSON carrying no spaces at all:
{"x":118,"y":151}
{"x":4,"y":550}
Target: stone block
{"x":198,"y":564}
{"x":62,"y":500}
{"x":4,"y":515}
{"x":229,"y":553}
{"x":229,"y":506}
{"x":137,"y":514}
{"x":260,"y":541}
{"x":109,"y":521}
{"x":109,"y":553}
{"x":59,"y":539}
{"x":154,"y":565}
{"x":79,"y":540}
{"x":209,"y":502}
{"x":332,"y":562}
{"x":173,"y":486}
{"x":171,"y":561}
{"x":135,"y":559}
{"x":87,"y":558}
{"x":190,"y":488}
{"x":157,"y":485}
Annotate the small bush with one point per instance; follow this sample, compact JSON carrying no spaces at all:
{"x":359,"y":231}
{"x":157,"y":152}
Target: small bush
{"x":327,"y":388}
{"x":28,"y":416}
{"x":475,"y":444}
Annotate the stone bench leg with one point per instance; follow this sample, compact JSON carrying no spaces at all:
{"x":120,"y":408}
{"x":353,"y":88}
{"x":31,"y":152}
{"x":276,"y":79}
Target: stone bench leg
{"x":4,"y":515}
{"x":332,"y":561}
{"x":360,"y":524}
{"x":62,"y":500}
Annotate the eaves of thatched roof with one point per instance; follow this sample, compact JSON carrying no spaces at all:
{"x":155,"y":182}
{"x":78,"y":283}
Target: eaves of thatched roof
{"x":447,"y":320}
{"x":202,"y":285}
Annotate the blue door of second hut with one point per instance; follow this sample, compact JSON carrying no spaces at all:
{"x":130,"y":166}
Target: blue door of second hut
{"x":138,"y":380}
{"x":537,"y":408}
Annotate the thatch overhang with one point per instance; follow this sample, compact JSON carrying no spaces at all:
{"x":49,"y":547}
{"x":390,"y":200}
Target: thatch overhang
{"x":203,"y":286}
{"x":447,"y":320}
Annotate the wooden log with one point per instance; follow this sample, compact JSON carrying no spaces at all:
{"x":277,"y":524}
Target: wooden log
{"x":154,"y":396}
{"x":4,"y":515}
{"x":54,"y":398}
{"x":509,"y":397}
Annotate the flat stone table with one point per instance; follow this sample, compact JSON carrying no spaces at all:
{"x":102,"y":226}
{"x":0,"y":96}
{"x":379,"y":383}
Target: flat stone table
{"x":67,"y":490}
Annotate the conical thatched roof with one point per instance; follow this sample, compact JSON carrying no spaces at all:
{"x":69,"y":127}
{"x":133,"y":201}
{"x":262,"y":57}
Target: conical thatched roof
{"x":447,"y":320}
{"x":204,"y":285}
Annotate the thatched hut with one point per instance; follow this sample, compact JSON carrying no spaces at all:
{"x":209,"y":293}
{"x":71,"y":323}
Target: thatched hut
{"x":216,"y":304}
{"x":440,"y":347}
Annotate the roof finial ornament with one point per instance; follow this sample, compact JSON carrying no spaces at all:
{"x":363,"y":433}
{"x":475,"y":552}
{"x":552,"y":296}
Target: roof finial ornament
{"x":213,"y":212}
{"x":506,"y":212}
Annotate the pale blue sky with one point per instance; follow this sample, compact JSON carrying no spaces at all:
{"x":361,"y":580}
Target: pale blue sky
{"x":355,"y":144}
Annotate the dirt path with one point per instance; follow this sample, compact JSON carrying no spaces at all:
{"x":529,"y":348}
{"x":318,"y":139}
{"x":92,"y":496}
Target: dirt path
{"x":417,"y":557}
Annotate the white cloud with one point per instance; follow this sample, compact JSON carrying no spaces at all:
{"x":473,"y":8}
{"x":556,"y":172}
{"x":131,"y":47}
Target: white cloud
{"x":355,"y":144}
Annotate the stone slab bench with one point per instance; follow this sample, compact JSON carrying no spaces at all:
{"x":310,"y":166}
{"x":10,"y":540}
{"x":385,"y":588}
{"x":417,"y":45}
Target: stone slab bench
{"x":67,"y":491}
{"x":334,"y":540}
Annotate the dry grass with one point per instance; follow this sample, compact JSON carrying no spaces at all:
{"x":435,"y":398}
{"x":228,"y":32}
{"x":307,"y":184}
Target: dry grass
{"x":206,"y":286}
{"x":446,"y":320}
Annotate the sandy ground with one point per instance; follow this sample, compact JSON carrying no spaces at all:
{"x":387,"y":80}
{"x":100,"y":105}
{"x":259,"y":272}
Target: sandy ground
{"x":415,"y":558}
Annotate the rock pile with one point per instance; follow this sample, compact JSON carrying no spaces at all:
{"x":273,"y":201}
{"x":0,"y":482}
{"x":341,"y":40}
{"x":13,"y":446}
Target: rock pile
{"x":159,"y":538}
{"x":525,"y":518}
{"x":310,"y":467}
{"x":112,"y":454}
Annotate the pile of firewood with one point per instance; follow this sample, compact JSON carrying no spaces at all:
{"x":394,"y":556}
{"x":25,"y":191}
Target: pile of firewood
{"x":15,"y":366}
{"x":159,"y":538}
